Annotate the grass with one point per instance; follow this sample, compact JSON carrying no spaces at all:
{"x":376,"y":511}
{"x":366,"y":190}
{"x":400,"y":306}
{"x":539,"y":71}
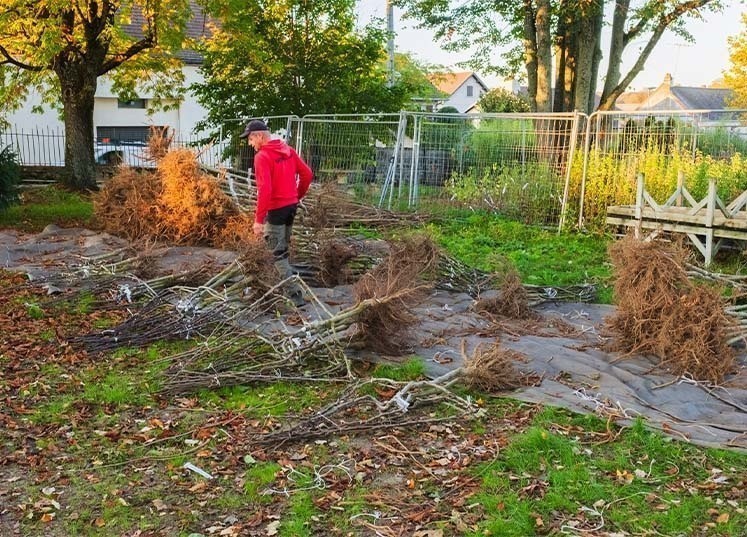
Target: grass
{"x":41,"y":207}
{"x":542,"y":257}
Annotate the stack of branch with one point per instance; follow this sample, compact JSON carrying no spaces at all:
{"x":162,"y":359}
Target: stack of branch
{"x":178,"y":202}
{"x":190,"y":312}
{"x":662,"y":313}
{"x":328,"y":206}
{"x":377,"y":404}
{"x":379,"y":320}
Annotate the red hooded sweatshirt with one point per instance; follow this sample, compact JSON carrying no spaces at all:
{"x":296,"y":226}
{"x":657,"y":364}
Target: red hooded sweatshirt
{"x":275,"y":168}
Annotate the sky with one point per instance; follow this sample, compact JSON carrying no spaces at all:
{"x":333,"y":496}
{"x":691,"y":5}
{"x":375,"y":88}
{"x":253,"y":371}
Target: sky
{"x":691,"y":64}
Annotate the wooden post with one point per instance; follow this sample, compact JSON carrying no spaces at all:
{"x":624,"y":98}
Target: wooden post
{"x":639,"y":206}
{"x":680,"y":186}
{"x":710,"y":213}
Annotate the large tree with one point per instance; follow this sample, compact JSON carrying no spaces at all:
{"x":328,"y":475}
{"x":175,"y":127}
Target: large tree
{"x":284,"y":57}
{"x":736,"y":77}
{"x":533,"y":31}
{"x":59,"y":49}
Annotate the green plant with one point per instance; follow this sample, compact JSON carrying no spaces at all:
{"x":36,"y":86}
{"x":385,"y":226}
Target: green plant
{"x":531,"y":192}
{"x":10,"y":177}
{"x":43,"y":206}
{"x":499,"y":100}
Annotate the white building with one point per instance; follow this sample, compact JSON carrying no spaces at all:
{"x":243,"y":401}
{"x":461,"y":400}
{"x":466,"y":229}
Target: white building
{"x":463,"y":89}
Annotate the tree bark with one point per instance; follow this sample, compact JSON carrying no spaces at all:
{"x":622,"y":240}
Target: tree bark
{"x":544,"y":56}
{"x":587,"y":41}
{"x":78,"y":98}
{"x":530,"y":52}
{"x":598,"y":23}
{"x":617,"y":46}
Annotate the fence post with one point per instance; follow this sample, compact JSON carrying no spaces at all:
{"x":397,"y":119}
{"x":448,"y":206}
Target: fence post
{"x":587,"y":150}
{"x":680,"y":186}
{"x":569,"y":166}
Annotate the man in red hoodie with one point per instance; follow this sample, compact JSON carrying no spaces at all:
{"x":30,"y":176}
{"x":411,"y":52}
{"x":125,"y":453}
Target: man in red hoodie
{"x":282,"y":181}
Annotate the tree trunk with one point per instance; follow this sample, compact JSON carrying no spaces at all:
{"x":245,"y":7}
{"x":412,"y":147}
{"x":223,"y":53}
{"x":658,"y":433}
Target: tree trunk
{"x":617,"y":46}
{"x":598,"y":23}
{"x":587,"y":40}
{"x":78,"y":97}
{"x":530,"y":53}
{"x":544,"y":56}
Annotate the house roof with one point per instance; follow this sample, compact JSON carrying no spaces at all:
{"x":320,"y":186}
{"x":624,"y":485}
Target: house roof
{"x":197,"y":27}
{"x":668,"y":96}
{"x":450,"y":82}
{"x":702,"y":98}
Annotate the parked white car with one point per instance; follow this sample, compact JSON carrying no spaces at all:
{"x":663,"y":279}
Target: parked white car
{"x":133,"y":154}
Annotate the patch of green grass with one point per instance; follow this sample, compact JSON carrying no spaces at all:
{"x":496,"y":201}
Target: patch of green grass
{"x":542,"y":257}
{"x":258,"y":477}
{"x":297,"y":521}
{"x":55,"y":410}
{"x":50,"y":205}
{"x":412,"y":369}
{"x":34,"y":311}
{"x":116,"y":388}
{"x":267,"y":400}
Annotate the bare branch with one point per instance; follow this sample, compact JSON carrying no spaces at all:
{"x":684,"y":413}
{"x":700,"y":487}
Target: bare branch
{"x":116,"y":60}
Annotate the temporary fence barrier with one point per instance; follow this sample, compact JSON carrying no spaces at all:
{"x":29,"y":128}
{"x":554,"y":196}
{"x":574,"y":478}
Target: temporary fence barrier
{"x":545,"y":169}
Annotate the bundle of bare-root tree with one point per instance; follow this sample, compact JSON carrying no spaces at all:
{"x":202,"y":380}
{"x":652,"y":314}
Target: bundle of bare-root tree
{"x":381,"y":404}
{"x":404,"y":280}
{"x":378,"y":405}
{"x":176,"y":202}
{"x":328,"y":206}
{"x":660,"y":312}
{"x":379,"y":321}
{"x":243,"y":291}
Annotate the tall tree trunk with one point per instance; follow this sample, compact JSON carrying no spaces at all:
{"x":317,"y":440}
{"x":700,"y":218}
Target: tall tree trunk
{"x":78,"y":97}
{"x":598,"y":23}
{"x":587,"y":40}
{"x":530,"y":52}
{"x":561,"y":57}
{"x":617,"y":46}
{"x":544,"y":56}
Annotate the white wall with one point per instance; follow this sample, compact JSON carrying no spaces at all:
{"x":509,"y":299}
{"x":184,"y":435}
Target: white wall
{"x":107,"y":113}
{"x":460,"y":100}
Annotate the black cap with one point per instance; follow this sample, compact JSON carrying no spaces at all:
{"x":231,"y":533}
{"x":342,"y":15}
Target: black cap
{"x":255,"y":125}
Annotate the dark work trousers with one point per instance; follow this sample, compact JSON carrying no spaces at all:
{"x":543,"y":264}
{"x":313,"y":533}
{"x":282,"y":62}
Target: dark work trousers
{"x":278,"y":226}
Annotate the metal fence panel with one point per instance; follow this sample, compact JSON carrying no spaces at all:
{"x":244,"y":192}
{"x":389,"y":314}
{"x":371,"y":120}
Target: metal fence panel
{"x":515,"y":164}
{"x":663,"y":145}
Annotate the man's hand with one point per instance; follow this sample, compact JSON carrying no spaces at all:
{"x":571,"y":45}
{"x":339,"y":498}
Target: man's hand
{"x":258,"y":229}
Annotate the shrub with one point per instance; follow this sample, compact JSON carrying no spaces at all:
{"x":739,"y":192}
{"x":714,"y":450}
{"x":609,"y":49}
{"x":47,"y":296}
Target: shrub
{"x":500,"y":100}
{"x":611,"y":178}
{"x":530,"y":193}
{"x":10,"y":177}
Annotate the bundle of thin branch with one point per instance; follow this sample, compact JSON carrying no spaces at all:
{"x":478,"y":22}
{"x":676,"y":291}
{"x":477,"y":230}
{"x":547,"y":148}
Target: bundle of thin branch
{"x":181,"y":312}
{"x":159,"y":141}
{"x":662,"y":313}
{"x":328,"y":206}
{"x":126,"y":205}
{"x":402,"y":278}
{"x":493,"y":369}
{"x":332,"y":257}
{"x":397,"y":404}
{"x":191,"y":209}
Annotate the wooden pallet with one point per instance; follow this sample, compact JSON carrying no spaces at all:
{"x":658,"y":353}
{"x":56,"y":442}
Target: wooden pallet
{"x":706,"y":222}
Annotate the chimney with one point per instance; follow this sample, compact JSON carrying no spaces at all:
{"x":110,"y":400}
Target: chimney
{"x":668,"y":80}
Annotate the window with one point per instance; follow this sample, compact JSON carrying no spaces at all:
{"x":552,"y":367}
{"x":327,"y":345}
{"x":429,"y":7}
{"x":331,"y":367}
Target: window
{"x":470,"y":91}
{"x":135,"y":103}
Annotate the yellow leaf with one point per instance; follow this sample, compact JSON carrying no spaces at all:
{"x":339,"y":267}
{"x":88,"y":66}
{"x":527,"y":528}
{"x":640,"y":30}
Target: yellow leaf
{"x":49,"y":517}
{"x":723,"y":518}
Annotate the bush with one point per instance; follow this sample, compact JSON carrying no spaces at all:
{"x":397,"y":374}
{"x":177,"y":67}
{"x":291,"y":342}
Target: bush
{"x":499,"y":100}
{"x":10,"y":177}
{"x":529,"y":193}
